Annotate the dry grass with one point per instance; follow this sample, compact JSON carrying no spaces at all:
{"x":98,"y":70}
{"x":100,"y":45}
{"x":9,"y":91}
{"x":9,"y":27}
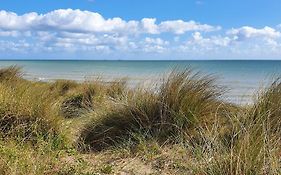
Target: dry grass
{"x":10,"y":73}
{"x":182,"y":127}
{"x":171,"y":114}
{"x":26,"y":111}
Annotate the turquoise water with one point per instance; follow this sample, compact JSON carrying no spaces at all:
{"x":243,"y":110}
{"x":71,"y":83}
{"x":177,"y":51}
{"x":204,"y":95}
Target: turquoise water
{"x":242,"y":78}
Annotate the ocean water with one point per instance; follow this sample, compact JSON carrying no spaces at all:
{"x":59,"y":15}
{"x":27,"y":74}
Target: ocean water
{"x":242,"y":79}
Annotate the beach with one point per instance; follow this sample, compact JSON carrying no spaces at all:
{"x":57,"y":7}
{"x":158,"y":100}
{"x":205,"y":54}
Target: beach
{"x":242,"y":78}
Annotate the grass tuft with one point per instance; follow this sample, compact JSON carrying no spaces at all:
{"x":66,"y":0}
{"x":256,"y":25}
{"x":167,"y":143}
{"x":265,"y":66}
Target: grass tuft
{"x":183,"y":100}
{"x":10,"y":73}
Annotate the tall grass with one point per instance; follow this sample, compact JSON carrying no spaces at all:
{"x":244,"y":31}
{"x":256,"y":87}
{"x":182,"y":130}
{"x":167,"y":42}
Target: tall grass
{"x":10,"y":73}
{"x":252,"y":150}
{"x":254,"y":144}
{"x":170,"y":113}
{"x":26,"y":112}
{"x":268,"y":105}
{"x":181,"y":127}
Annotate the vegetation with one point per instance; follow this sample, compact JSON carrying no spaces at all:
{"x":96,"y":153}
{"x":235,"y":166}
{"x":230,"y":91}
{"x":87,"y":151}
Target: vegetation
{"x":181,"y":126}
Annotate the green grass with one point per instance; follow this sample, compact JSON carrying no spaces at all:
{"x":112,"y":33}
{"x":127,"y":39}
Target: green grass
{"x":26,"y":111}
{"x":180,"y":127}
{"x":170,"y":113}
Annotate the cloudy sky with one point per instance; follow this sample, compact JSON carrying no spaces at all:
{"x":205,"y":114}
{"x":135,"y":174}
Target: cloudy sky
{"x":140,"y":29}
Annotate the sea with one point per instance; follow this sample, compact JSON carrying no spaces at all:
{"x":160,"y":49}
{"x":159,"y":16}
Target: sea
{"x":243,"y":80}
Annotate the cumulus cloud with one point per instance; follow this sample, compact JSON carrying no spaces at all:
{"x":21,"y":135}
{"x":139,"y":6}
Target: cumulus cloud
{"x":11,"y":21}
{"x":198,"y":39}
{"x":200,"y":45}
{"x":86,"y":21}
{"x":84,"y":32}
{"x":76,"y":30}
{"x":250,"y":32}
{"x":181,"y":27}
{"x":65,"y":20}
{"x":154,"y":45}
{"x":149,"y":26}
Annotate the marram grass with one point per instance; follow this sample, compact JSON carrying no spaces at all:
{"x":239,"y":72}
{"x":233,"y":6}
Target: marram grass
{"x":182,"y":126}
{"x":170,"y":113}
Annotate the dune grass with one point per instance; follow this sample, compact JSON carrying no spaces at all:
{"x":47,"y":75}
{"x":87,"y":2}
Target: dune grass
{"x":182,"y":126}
{"x":26,"y":111}
{"x":10,"y":73}
{"x":169,"y":113}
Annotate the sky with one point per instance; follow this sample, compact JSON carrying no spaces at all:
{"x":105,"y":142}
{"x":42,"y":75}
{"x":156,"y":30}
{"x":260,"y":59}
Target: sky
{"x":140,"y":29}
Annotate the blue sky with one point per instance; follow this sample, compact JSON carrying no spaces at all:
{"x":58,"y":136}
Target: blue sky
{"x":140,"y":29}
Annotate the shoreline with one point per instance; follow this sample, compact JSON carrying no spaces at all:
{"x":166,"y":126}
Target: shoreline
{"x":242,"y":78}
{"x":240,"y":95}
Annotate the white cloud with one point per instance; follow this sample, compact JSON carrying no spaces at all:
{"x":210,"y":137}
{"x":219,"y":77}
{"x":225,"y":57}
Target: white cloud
{"x":79,"y":32}
{"x":20,"y":46}
{"x":83,"y":21}
{"x":198,"y":39}
{"x":11,"y":21}
{"x":65,"y":20}
{"x":157,"y":41}
{"x":250,"y":32}
{"x":199,"y":45}
{"x":229,"y":46}
{"x":181,"y":27}
{"x":9,"y":33}
{"x":149,"y":26}
{"x":86,"y":21}
{"x":175,"y":26}
{"x":154,"y":45}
